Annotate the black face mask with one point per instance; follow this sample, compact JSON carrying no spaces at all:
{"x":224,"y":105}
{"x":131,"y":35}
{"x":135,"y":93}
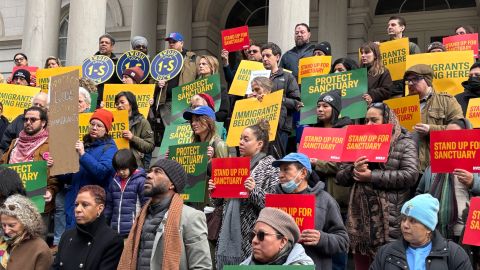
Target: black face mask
{"x":474,"y":83}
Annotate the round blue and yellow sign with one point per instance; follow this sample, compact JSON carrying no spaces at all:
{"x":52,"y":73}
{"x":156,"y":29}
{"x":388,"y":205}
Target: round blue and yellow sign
{"x":131,"y":59}
{"x":98,"y":68}
{"x":166,"y":65}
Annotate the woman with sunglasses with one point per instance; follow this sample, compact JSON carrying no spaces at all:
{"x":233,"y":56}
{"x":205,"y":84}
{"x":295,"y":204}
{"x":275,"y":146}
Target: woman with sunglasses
{"x":23,"y":230}
{"x":239,"y":215}
{"x":378,"y":190}
{"x":140,"y":134}
{"x":275,"y":240}
{"x":379,"y":79}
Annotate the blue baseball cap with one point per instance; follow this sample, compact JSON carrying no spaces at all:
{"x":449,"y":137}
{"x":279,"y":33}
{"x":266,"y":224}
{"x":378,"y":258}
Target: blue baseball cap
{"x":294,"y":157}
{"x":201,"y":110}
{"x":174,"y":36}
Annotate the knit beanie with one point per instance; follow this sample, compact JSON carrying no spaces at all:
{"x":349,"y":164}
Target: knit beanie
{"x":136,"y":73}
{"x":175,"y":172}
{"x":423,"y":70}
{"x":22,"y":73}
{"x":424,"y":208}
{"x":324,"y":47}
{"x":280,"y":221}
{"x":436,"y":45}
{"x":104,"y":116}
{"x":139,"y":40}
{"x":209,"y":100}
{"x":333,"y":98}
{"x":22,"y":208}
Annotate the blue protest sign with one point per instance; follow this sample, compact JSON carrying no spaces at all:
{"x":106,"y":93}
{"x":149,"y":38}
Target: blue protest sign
{"x":98,"y":68}
{"x":131,"y":59}
{"x":166,"y":65}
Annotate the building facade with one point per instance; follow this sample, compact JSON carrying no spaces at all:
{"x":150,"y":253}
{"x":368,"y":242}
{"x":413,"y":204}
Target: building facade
{"x":70,"y":28}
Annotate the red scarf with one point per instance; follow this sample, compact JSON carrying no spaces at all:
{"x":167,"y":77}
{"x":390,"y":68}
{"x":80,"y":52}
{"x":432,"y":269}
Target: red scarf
{"x":26,"y":145}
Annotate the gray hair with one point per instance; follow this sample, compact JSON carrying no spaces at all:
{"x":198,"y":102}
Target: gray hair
{"x":42,"y":95}
{"x":86,"y":95}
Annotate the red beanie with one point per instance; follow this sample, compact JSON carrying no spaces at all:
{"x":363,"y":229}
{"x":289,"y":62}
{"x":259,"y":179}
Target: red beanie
{"x":104,"y":116}
{"x":136,"y":73}
{"x":209,"y":100}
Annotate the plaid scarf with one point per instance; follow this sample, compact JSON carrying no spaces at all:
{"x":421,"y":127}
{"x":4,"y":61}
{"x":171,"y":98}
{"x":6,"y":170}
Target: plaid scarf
{"x":25,"y":146}
{"x":443,"y":188}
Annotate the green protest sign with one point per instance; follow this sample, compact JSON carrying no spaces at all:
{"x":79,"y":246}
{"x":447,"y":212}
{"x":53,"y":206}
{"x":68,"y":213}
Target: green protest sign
{"x":182,"y":94}
{"x":193,"y":157}
{"x":352,"y":84}
{"x":34,"y":179}
{"x":269,"y":267}
{"x":94,"y":97}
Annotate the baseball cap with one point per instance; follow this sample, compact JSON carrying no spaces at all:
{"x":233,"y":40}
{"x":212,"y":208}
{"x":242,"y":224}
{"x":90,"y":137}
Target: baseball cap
{"x":294,"y":157}
{"x":201,"y":110}
{"x":174,"y":36}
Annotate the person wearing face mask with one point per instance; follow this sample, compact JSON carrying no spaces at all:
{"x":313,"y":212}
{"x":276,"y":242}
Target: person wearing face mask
{"x":378,"y":190}
{"x":329,"y":236}
{"x":471,"y":86}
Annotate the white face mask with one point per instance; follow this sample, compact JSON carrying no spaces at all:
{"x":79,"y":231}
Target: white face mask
{"x":291,"y":185}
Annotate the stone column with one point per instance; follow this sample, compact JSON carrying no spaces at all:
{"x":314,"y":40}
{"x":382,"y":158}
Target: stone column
{"x":283,"y":15}
{"x":144,"y":22}
{"x":179,"y":19}
{"x":333,"y":25}
{"x":40,"y":30}
{"x":86,"y":24}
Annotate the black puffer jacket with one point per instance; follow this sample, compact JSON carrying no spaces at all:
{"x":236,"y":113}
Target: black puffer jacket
{"x":443,"y":256}
{"x":291,"y":97}
{"x":395,"y":178}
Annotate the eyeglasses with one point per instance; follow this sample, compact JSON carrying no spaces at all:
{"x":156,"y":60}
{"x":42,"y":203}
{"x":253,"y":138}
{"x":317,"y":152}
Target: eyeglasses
{"x":413,"y":80}
{"x":140,"y":47}
{"x":18,"y":60}
{"x":261,"y":235}
{"x":98,"y":126}
{"x":31,"y":119}
{"x":252,"y":51}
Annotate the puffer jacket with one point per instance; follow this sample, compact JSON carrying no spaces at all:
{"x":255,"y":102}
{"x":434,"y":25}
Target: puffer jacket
{"x":443,"y":256}
{"x":95,"y":169}
{"x":123,"y":206}
{"x":439,"y":110}
{"x":291,"y":97}
{"x":395,"y":178}
{"x":142,"y":141}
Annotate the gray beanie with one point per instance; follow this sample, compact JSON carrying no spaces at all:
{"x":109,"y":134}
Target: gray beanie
{"x":21,"y":208}
{"x":280,"y":221}
{"x":175,"y":172}
{"x":139,"y":40}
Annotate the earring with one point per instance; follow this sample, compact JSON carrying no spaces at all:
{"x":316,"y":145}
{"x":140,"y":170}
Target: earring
{"x":98,"y":214}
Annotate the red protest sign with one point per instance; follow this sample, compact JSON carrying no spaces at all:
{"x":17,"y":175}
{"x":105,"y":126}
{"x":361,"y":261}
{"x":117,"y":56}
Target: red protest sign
{"x":323,"y":143}
{"x":300,"y":206}
{"x":235,"y":39}
{"x":229,"y":176}
{"x":462,"y":43}
{"x":372,"y":141}
{"x":472,"y":227}
{"x":455,"y":149}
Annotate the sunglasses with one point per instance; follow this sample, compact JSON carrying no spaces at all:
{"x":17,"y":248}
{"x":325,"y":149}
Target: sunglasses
{"x":31,"y":119}
{"x":10,"y":207}
{"x":261,"y":235}
{"x":252,"y":51}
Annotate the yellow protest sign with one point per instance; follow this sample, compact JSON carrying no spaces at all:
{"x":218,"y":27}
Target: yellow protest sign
{"x":15,"y":99}
{"x":142,"y":92}
{"x":450,"y":69}
{"x":407,"y":110}
{"x":120,"y":123}
{"x":394,"y":56}
{"x":43,"y":75}
{"x":248,"y":112}
{"x":473,"y":112}
{"x":313,"y":66}
{"x":242,"y":77}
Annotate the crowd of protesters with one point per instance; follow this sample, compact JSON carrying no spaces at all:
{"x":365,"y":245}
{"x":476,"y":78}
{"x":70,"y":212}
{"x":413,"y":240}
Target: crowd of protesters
{"x":123,"y":209}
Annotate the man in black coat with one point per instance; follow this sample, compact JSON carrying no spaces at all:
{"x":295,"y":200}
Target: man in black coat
{"x":472,"y":87}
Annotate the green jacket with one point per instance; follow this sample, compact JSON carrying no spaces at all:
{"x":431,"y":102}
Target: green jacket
{"x":440,"y":109}
{"x":142,"y":142}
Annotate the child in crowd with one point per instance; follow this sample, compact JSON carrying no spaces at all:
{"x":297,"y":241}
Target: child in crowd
{"x":125,"y":194}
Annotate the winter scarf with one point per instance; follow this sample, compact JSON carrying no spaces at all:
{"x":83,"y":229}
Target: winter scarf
{"x":26,"y":145}
{"x":443,"y":188}
{"x":229,"y":250}
{"x":172,"y":248}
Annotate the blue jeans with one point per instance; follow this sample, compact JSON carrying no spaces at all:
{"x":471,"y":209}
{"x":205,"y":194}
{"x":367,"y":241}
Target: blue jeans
{"x":59,"y":219}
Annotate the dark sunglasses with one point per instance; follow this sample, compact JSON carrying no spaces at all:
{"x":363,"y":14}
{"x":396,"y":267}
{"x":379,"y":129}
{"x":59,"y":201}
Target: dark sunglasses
{"x":261,"y":235}
{"x":10,"y":207}
{"x":252,"y":51}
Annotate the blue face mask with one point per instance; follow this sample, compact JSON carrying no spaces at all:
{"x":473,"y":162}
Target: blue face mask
{"x":290,"y":186}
